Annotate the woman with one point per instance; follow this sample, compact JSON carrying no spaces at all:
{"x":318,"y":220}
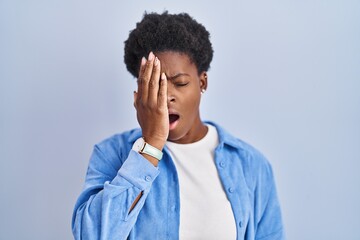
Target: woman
{"x":177,"y":176}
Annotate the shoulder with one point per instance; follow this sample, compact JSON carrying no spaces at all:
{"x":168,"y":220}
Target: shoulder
{"x":109,"y":154}
{"x":254,"y":165}
{"x":238,"y":145}
{"x":253,"y":157}
{"x":118,"y":144}
{"x":253,"y":160}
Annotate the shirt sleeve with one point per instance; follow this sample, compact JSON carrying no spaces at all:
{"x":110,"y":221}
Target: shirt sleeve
{"x":267,"y":209}
{"x":102,"y":211}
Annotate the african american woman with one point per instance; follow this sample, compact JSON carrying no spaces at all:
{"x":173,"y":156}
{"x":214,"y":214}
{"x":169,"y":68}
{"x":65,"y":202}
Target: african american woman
{"x":175,"y":177}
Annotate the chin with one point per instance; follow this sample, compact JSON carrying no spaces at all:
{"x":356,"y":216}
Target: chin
{"x":175,"y":136}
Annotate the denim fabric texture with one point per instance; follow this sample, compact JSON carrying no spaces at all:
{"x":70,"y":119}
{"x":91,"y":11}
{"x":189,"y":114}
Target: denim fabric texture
{"x":116,"y":175}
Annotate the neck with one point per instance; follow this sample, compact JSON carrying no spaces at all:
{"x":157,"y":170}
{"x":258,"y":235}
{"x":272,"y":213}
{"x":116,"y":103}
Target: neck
{"x":195,"y":133}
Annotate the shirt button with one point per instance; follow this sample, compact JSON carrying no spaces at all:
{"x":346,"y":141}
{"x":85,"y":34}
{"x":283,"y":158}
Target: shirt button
{"x":222,"y":164}
{"x":148,"y":178}
{"x":231,"y":190}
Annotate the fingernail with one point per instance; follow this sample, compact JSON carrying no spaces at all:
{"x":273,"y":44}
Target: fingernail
{"x":156,"y":61}
{"x":151,"y":56}
{"x":163,"y":77}
{"x":143,"y":61}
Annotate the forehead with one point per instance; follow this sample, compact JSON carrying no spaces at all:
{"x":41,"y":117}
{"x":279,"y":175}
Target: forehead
{"x":175,"y":62}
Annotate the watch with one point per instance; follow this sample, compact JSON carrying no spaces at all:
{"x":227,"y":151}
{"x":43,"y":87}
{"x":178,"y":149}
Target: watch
{"x":143,"y":147}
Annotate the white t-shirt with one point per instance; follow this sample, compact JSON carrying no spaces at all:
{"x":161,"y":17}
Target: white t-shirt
{"x":205,"y":212}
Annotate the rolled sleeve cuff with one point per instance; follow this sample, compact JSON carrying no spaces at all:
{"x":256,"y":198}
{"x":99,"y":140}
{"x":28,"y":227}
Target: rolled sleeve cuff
{"x":138,"y":171}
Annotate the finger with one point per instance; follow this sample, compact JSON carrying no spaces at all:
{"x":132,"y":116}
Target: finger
{"x":162,"y":98}
{"x":141,"y":72}
{"x":154,"y":83}
{"x":147,"y":76}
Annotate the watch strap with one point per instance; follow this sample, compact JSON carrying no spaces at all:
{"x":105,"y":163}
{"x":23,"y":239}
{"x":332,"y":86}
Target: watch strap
{"x":152,"y":151}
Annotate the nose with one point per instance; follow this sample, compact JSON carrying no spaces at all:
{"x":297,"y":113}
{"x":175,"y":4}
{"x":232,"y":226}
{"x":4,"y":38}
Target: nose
{"x":171,"y":98}
{"x":170,"y":94}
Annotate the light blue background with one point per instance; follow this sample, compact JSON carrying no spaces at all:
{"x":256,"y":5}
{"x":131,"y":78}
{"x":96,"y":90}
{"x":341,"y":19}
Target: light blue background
{"x":285,"y":78}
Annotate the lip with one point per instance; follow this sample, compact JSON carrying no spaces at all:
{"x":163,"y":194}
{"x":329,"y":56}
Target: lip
{"x":173,"y":125}
{"x":173,"y":111}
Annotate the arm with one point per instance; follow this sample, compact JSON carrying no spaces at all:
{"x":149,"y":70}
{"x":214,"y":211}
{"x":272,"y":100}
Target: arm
{"x":269,"y":220}
{"x":102,"y":210}
{"x":111,"y":201}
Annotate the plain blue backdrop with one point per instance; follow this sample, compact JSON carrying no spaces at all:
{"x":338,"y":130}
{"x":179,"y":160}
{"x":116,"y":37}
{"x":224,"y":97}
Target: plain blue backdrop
{"x":285,"y":78}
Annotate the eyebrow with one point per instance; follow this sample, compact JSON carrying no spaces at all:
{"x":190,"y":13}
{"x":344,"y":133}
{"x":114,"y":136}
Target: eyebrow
{"x":177,"y":75}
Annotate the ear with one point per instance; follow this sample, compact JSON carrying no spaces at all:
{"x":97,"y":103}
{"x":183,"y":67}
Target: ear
{"x":203,"y":81}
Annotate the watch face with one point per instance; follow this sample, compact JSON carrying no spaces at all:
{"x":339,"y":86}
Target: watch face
{"x":138,"y":144}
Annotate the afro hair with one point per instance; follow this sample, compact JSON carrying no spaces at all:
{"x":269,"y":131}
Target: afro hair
{"x":168,"y":32}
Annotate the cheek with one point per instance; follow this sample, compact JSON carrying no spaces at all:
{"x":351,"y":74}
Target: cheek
{"x":191,"y":103}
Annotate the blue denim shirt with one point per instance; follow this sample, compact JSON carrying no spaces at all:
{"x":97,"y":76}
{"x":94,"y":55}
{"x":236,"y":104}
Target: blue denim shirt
{"x":117,"y":175}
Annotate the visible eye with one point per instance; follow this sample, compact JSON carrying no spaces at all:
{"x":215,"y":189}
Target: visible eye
{"x":181,"y":84}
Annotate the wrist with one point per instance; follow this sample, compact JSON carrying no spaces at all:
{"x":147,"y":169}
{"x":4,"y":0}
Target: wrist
{"x":148,"y":150}
{"x":159,"y":144}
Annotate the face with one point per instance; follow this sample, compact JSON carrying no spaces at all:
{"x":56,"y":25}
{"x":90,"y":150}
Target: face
{"x":184,"y":94}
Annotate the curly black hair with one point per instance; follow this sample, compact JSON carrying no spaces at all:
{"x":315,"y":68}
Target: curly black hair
{"x":168,"y":32}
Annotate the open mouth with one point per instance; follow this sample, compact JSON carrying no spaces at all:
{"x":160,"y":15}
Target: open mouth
{"x":173,"y":121}
{"x":173,"y":118}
